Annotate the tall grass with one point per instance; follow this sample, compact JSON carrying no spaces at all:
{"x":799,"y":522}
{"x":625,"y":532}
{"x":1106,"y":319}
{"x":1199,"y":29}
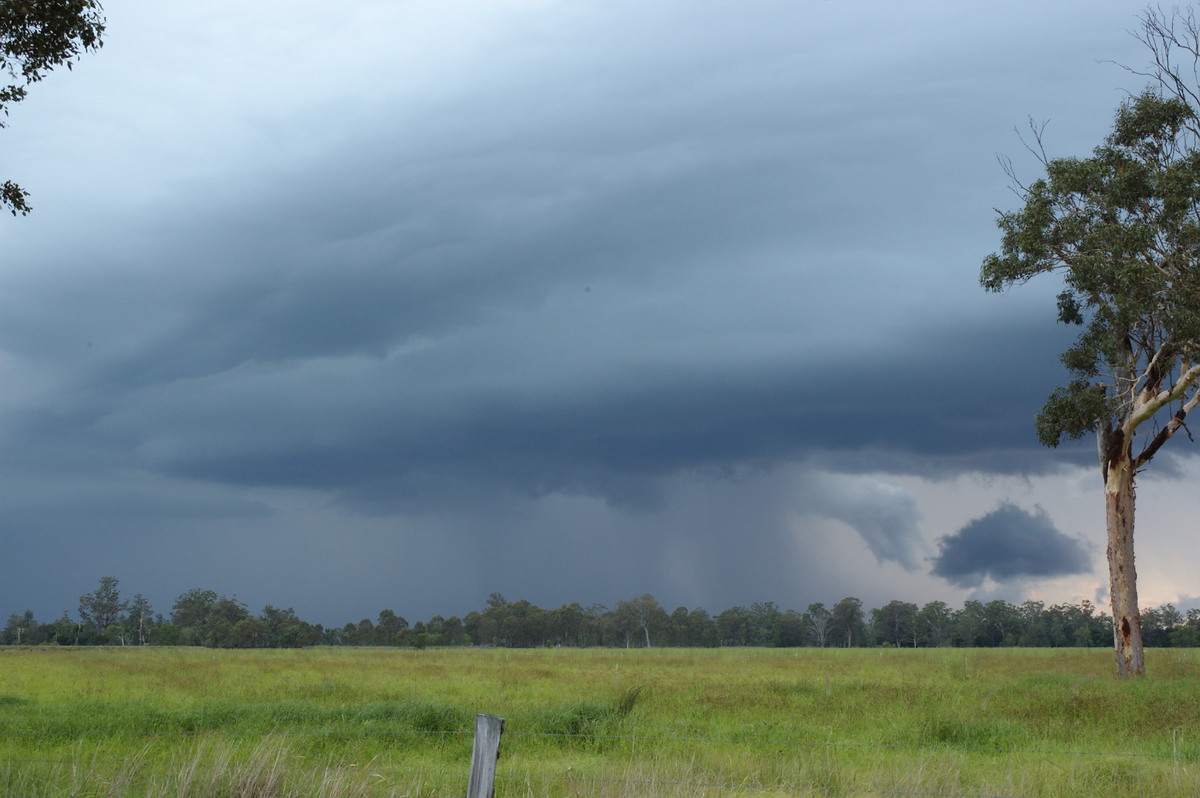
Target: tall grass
{"x":374,"y":722}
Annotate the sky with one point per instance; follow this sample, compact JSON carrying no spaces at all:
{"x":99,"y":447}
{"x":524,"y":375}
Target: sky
{"x":378,"y":304}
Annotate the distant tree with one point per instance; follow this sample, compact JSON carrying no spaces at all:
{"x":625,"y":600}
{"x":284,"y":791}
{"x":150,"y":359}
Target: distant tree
{"x":935,"y":624}
{"x":564,"y":626}
{"x":102,"y":608}
{"x":691,"y":628}
{"x":676,"y":631}
{"x":764,"y":621}
{"x":453,"y":633}
{"x":222,"y":622}
{"x":702,"y":630}
{"x":1185,"y":637}
{"x":388,"y":627}
{"x":360,"y":634}
{"x":35,"y":37}
{"x":1002,"y":623}
{"x":733,"y":626}
{"x":896,"y":623}
{"x":348,"y":635}
{"x":847,"y":622}
{"x":518,"y":624}
{"x":13,"y":629}
{"x":1035,"y":630}
{"x":166,"y":633}
{"x":651,"y":617}
{"x":189,"y":615}
{"x":594,"y":616}
{"x":1121,"y":229}
{"x":140,"y":618}
{"x":1188,"y":634}
{"x":473,"y":628}
{"x":818,"y":618}
{"x":1159,"y":623}
{"x":286,"y":630}
{"x":434,"y":628}
{"x":793,"y":629}
{"x":229,"y":609}
{"x":970,"y":625}
{"x":202,"y":618}
{"x":1083,"y":626}
{"x":23,"y":629}
{"x":522,"y":624}
{"x":485,"y":630}
{"x":249,"y":633}
{"x":65,"y":631}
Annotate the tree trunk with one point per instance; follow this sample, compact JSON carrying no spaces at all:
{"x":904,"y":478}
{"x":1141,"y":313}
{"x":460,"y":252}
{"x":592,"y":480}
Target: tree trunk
{"x":1122,"y":576}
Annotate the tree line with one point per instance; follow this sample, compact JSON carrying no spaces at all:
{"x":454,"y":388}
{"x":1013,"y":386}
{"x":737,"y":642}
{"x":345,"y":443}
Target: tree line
{"x":204,"y":618}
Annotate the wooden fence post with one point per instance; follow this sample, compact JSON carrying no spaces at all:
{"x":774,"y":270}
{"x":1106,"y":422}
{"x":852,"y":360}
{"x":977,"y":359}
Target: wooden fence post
{"x":482,"y":783}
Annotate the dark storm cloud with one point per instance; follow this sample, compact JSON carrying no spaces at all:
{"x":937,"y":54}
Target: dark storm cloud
{"x":1009,"y":543}
{"x":374,"y":426}
{"x":534,"y":287}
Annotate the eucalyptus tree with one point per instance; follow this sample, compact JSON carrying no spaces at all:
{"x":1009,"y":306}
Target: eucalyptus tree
{"x":642,"y":614}
{"x":733,"y":626}
{"x":22,"y":629}
{"x":1122,"y":231}
{"x":701,"y":629}
{"x":388,"y":628}
{"x":935,"y":624}
{"x":102,"y":608}
{"x":847,"y":623}
{"x":190,"y":615}
{"x":818,"y":619}
{"x":896,"y":624}
{"x":140,"y":618}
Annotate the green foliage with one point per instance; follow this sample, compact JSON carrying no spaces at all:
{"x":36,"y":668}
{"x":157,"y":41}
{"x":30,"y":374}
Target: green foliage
{"x":191,"y":609}
{"x":15,"y":198}
{"x":36,"y":37}
{"x":1072,"y":411}
{"x":1122,"y":229}
{"x":847,"y":623}
{"x":101,"y":609}
{"x":39,"y":36}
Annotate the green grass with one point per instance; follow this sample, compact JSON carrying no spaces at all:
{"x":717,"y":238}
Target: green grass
{"x":370,"y":722}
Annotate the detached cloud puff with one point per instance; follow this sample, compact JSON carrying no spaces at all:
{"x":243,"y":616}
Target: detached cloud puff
{"x":1008,"y":543}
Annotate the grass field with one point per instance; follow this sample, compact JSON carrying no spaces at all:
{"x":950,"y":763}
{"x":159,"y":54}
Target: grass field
{"x":372,"y":722}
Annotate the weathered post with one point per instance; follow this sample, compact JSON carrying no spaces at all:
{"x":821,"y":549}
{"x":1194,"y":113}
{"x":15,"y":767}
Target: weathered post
{"x":482,"y":783}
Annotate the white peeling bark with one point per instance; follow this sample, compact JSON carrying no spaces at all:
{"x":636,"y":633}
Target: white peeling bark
{"x":1122,"y":575}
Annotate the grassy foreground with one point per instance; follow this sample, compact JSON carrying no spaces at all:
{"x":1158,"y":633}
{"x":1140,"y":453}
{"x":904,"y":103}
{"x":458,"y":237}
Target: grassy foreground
{"x":371,"y":722}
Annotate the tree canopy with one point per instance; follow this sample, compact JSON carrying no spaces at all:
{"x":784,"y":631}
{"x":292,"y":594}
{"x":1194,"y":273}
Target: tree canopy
{"x":35,"y":37}
{"x":1123,"y":230}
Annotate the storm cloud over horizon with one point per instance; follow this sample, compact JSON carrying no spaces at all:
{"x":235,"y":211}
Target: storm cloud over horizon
{"x":400,"y":304}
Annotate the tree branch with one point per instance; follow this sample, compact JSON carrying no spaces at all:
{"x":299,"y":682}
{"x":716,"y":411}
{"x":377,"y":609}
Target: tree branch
{"x":1186,"y":380}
